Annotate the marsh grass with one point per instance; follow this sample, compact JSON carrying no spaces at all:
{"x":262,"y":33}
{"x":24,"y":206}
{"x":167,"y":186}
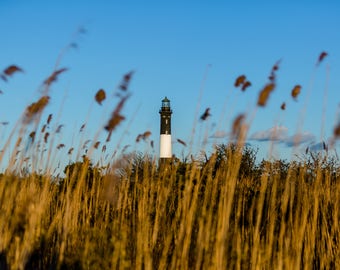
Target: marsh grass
{"x":221,"y":212}
{"x":187,"y":216}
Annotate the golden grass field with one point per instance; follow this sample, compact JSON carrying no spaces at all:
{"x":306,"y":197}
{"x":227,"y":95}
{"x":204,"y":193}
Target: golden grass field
{"x":224,"y":211}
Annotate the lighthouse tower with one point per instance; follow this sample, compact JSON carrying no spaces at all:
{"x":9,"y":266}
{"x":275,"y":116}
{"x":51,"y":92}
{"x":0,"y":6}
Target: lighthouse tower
{"x":165,"y":138}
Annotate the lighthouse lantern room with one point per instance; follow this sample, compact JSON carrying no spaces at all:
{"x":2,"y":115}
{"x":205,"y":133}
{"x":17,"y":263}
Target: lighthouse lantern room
{"x":165,"y":132}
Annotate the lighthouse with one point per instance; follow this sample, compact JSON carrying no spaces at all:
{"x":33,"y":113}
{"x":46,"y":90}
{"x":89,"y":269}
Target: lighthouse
{"x":165,"y":151}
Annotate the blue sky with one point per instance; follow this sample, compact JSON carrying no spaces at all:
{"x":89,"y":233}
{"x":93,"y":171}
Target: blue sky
{"x":189,"y":51}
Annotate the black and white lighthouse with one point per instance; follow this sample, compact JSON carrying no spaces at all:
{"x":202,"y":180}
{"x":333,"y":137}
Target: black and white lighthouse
{"x":165,"y":150}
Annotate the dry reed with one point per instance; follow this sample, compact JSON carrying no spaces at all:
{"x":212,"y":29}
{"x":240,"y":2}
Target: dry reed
{"x":224,"y":212}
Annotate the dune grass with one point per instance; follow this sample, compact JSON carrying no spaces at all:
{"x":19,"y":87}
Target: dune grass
{"x":222,"y":212}
{"x":179,"y":216}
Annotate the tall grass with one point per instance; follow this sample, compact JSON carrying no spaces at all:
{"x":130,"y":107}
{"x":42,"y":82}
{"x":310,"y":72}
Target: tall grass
{"x":222,"y":212}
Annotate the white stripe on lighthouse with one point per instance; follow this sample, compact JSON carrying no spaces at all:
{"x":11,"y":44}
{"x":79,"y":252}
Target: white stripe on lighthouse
{"x":165,"y":146}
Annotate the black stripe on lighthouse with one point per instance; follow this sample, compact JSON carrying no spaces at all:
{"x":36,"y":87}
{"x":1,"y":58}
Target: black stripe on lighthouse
{"x":165,"y":150}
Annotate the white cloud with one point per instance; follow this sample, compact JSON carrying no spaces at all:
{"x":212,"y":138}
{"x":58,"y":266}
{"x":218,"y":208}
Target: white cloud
{"x":219,"y":134}
{"x":277,"y":133}
{"x":299,"y":138}
{"x":317,"y":147}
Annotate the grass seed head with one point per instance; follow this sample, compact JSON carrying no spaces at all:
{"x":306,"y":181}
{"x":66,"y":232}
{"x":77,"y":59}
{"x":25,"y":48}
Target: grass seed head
{"x":146,"y":134}
{"x":82,"y":127}
{"x":116,"y":117}
{"x":9,"y":71}
{"x":321,"y":57}
{"x":237,"y":125}
{"x":36,"y":108}
{"x":126,"y":80}
{"x":296,"y":91}
{"x":264,"y":94}
{"x":276,"y":66}
{"x":206,"y":114}
{"x":54,"y":76}
{"x":100,"y":96}
{"x":59,"y":128}
{"x":114,"y":121}
{"x":139,"y":137}
{"x":18,"y":142}
{"x":60,"y":146}
{"x":125,"y":147}
{"x":49,"y":119}
{"x":85,"y":144}
{"x":240,"y":80}
{"x":143,"y":136}
{"x":96,"y":145}
{"x":46,"y":137}
{"x":181,"y":142}
{"x":32,"y":136}
{"x":245,"y":85}
{"x":272,"y":76}
{"x":283,"y":106}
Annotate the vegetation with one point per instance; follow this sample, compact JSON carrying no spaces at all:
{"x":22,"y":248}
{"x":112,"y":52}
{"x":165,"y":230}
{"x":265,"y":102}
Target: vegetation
{"x":222,"y":211}
{"x":226,"y":212}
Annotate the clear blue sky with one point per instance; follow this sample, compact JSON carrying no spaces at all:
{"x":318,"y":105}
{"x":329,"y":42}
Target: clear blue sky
{"x":169,"y":45}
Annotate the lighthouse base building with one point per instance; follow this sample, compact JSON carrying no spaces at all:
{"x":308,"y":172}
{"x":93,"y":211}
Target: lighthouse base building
{"x":165,"y":146}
